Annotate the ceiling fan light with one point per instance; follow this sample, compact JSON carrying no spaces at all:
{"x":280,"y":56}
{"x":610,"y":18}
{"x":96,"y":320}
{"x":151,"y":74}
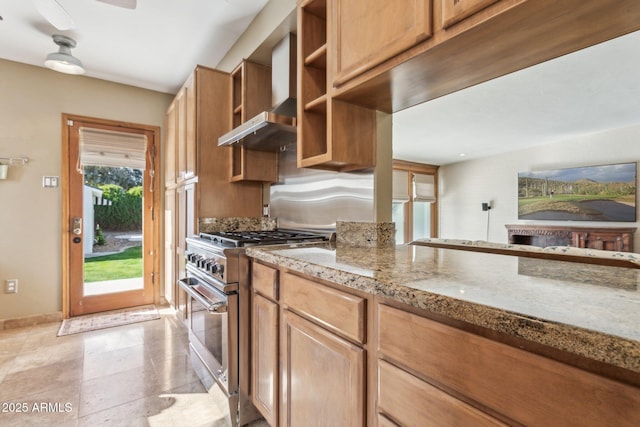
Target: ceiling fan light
{"x":62,"y":60}
{"x":64,"y":63}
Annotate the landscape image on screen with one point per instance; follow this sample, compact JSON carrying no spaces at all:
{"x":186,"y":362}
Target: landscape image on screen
{"x":592,"y":193}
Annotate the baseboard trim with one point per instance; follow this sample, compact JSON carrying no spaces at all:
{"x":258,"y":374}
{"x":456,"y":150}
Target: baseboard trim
{"x":36,"y":319}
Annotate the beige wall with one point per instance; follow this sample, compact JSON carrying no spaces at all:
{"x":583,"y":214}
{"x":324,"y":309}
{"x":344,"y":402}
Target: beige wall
{"x":465,"y":185}
{"x":32,"y":100}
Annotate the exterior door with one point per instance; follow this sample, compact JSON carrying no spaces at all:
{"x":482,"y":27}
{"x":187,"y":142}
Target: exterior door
{"x":77,"y":298}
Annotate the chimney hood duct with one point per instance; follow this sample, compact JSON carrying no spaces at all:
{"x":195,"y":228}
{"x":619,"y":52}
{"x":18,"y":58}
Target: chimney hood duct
{"x":270,"y":130}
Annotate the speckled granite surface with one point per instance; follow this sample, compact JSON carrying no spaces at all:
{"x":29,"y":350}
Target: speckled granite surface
{"x":211,"y":225}
{"x":543,"y":301}
{"x":367,"y":234}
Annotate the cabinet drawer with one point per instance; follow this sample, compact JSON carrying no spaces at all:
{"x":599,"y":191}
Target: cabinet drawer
{"x":264,"y":280}
{"x":339,"y":311}
{"x":411,"y":401}
{"x":530,"y":389}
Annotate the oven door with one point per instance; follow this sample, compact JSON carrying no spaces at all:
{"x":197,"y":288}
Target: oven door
{"x":212,"y":319}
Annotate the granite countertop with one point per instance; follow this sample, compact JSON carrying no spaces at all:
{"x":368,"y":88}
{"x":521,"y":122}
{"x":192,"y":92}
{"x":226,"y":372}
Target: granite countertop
{"x":590,"y":310}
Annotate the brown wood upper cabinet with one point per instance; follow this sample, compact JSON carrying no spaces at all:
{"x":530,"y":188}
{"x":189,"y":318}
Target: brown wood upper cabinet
{"x":332,"y":134}
{"x":454,"y":11}
{"x":170,"y":124}
{"x":251,"y":95}
{"x":368,"y":32}
{"x":196,"y":169}
{"x":473,"y":41}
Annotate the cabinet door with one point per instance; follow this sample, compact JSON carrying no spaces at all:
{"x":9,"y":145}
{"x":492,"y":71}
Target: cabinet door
{"x":171,"y":141}
{"x":264,"y":357}
{"x":170,"y":246}
{"x":181,"y":135}
{"x":454,"y":11}
{"x":368,"y":32}
{"x":322,"y":377}
{"x":190,"y":127}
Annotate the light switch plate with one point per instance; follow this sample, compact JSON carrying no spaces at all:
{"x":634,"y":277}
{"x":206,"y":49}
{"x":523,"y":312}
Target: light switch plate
{"x":50,"y":181}
{"x":11,"y":286}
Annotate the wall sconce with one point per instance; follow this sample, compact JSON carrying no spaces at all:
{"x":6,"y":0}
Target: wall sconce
{"x":4,"y":168}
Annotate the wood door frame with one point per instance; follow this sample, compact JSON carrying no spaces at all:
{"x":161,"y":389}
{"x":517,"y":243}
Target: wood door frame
{"x":154,"y":251}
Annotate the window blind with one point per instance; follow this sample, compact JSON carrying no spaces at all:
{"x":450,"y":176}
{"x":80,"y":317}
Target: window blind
{"x":99,"y":147}
{"x":400,"y":186}
{"x":424,"y":188}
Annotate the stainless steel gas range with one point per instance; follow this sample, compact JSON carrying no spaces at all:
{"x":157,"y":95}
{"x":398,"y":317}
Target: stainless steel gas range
{"x":218,"y":310}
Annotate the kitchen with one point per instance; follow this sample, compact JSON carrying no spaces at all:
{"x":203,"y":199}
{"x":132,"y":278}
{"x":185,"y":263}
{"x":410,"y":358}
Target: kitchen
{"x":46,"y":300}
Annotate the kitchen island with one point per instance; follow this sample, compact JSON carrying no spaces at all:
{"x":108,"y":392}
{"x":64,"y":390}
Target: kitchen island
{"x":564,"y":333}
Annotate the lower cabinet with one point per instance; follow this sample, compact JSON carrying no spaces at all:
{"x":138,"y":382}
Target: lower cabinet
{"x":411,"y":401}
{"x":265,"y":341}
{"x":513,"y":385}
{"x":317,"y":361}
{"x":323,"y":376}
{"x":306,"y":371}
{"x":265,"y":357}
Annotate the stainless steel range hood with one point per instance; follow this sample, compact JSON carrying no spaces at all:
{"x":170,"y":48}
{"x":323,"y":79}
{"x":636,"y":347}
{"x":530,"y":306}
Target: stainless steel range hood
{"x":262,"y":133}
{"x":270,"y":130}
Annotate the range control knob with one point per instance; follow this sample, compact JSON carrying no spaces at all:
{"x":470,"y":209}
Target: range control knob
{"x":221,"y":270}
{"x":213,"y":268}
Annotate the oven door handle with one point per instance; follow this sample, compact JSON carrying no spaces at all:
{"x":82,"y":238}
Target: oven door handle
{"x":219,"y":306}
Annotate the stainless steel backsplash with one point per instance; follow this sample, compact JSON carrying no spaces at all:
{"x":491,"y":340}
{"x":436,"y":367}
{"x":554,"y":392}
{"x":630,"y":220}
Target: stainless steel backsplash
{"x":313,"y":199}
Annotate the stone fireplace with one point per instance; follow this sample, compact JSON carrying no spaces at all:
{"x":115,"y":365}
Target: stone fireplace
{"x":604,"y":238}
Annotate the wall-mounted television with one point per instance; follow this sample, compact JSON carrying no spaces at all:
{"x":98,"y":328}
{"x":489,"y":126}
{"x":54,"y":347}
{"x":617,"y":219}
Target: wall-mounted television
{"x":590,"y":193}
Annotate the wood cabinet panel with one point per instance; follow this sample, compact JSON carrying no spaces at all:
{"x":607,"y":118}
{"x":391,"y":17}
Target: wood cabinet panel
{"x":170,"y":247}
{"x":411,"y":401}
{"x":368,"y":32}
{"x":190,"y":123}
{"x":265,"y":280}
{"x":264,"y":360}
{"x":181,"y":134}
{"x":213,"y":98}
{"x":454,"y":11}
{"x":338,"y":311}
{"x":171,"y":136}
{"x":527,"y":388}
{"x":323,"y":377}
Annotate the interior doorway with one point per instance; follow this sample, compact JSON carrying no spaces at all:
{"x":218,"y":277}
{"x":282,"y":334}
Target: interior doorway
{"x":125,"y":275}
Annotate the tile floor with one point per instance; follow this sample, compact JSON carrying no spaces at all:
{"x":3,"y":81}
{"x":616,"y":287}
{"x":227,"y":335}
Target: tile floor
{"x":133,"y":375}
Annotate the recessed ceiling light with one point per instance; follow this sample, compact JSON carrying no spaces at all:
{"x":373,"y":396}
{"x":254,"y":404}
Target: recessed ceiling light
{"x":462,"y":154}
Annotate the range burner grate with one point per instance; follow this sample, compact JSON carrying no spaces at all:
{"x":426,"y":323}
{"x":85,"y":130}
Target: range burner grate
{"x":248,"y":238}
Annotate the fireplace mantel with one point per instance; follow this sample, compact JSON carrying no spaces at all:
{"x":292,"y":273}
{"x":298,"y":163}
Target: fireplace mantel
{"x":605,"y":238}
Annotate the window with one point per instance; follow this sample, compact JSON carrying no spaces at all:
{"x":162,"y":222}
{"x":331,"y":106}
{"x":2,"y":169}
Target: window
{"x":415,"y":204}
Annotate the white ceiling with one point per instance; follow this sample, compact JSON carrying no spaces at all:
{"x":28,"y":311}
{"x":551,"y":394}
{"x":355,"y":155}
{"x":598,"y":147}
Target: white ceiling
{"x":155,"y":46}
{"x":158,"y":44}
{"x":586,"y":92}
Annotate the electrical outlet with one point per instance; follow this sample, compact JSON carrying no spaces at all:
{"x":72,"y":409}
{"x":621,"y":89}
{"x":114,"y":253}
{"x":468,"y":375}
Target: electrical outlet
{"x":11,"y":286}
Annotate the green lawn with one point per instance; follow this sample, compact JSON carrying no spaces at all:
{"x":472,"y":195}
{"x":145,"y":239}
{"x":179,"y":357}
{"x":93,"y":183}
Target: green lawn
{"x":123,"y":265}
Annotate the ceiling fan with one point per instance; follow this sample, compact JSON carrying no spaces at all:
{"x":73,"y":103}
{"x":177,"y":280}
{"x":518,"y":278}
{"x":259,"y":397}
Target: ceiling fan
{"x":53,"y":11}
